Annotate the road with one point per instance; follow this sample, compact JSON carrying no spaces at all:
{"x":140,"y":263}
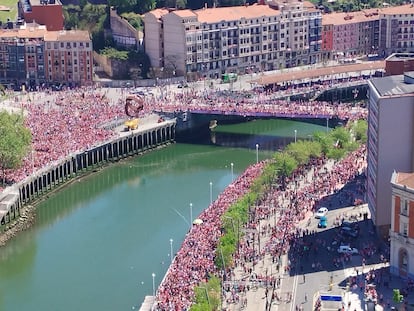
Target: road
{"x":317,"y":270}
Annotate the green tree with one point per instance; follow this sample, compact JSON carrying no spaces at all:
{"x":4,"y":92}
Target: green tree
{"x":134,"y":19}
{"x":285,"y":164}
{"x":15,"y":141}
{"x":231,"y":2}
{"x":360,"y":130}
{"x":207,"y":295}
{"x":114,"y":53}
{"x":299,"y":151}
{"x":325,"y":141}
{"x":137,"y":6}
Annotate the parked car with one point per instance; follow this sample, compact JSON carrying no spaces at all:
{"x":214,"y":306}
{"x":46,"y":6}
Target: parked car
{"x":346,"y":249}
{"x":321,"y":212}
{"x":349,"y":232}
{"x":182,"y":85}
{"x":352,"y":225}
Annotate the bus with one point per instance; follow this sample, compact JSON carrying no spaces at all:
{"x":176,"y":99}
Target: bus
{"x":228,"y":77}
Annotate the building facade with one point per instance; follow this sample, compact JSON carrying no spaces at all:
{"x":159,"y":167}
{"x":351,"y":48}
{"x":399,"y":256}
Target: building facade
{"x":123,"y":33}
{"x":275,"y":35}
{"x":33,"y":56}
{"x":402,"y":225}
{"x":346,"y":35}
{"x":69,"y":57}
{"x":391,"y":103}
{"x":396,"y":29}
{"x":212,"y":41}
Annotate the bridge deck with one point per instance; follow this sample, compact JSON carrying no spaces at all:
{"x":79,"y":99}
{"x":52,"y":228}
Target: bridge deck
{"x":314,"y":73}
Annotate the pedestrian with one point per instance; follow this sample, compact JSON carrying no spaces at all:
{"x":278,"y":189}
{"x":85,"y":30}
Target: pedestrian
{"x":304,"y":278}
{"x":306,"y":297}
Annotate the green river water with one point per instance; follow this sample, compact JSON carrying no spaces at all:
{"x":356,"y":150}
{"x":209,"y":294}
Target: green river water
{"x":97,"y":241}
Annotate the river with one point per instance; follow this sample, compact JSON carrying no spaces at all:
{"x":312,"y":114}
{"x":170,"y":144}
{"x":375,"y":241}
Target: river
{"x":97,"y":241}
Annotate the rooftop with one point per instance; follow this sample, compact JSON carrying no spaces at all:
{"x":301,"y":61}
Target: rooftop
{"x":400,"y":56}
{"x":404,"y":179}
{"x":68,"y":36}
{"x":234,"y":13}
{"x":45,"y":2}
{"x":29,"y":32}
{"x":158,"y":13}
{"x":343,"y":18}
{"x":392,"y":86}
{"x":401,"y":9}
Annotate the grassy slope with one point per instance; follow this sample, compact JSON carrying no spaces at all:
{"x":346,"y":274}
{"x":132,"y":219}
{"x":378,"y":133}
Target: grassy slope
{"x":12,"y":14}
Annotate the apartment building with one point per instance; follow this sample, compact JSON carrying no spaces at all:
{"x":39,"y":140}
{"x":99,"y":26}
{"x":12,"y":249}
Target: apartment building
{"x":154,"y":44}
{"x":22,"y":55}
{"x":68,"y":56}
{"x":390,"y":141}
{"x":347,"y":35}
{"x":211,"y":41}
{"x":402,"y":224}
{"x":396,"y":29}
{"x":32,"y":55}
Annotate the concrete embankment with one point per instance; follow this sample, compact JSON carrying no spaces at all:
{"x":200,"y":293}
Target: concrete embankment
{"x":16,"y":202}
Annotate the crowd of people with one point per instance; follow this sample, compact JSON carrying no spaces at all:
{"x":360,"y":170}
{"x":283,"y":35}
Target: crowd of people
{"x":68,"y":122}
{"x":195,"y":259}
{"x":73,"y":120}
{"x":257,"y":104}
{"x":293,"y":204}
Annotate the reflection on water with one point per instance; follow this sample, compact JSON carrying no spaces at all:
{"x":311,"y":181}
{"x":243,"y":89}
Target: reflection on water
{"x":271,"y":135}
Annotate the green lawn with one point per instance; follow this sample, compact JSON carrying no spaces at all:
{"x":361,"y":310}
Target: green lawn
{"x":12,"y":14}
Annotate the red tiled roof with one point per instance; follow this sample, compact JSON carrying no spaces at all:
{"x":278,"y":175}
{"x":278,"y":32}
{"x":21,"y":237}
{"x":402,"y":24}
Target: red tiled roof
{"x":234,"y":13}
{"x":342,"y":18}
{"x":405,"y":179}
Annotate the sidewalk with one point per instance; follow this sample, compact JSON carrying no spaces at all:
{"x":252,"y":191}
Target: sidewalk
{"x":260,"y":297}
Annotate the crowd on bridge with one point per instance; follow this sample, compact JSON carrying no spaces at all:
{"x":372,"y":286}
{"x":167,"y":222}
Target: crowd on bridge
{"x":72,"y":120}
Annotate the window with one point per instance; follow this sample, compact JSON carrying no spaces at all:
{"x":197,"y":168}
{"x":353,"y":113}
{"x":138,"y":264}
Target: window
{"x":404,"y":229}
{"x":404,"y":207}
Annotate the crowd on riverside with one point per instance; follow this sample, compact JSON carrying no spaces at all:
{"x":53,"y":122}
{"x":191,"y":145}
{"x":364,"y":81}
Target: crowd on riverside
{"x":195,"y":260}
{"x":72,"y":120}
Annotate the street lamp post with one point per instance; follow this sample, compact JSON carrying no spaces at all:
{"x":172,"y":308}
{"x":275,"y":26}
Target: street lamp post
{"x":232,"y":174}
{"x":211,"y":192}
{"x":153,"y":284}
{"x":296,"y":132}
{"x":191,"y":215}
{"x":171,"y":250}
{"x":257,"y":153}
{"x":33,"y":166}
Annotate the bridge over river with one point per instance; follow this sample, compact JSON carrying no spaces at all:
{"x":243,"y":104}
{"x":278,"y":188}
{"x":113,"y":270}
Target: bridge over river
{"x":309,"y":93}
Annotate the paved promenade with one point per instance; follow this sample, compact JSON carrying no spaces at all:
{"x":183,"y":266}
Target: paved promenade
{"x":296,"y":280}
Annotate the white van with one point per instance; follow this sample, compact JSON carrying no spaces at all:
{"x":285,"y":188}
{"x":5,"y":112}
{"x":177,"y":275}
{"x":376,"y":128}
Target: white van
{"x":346,"y":249}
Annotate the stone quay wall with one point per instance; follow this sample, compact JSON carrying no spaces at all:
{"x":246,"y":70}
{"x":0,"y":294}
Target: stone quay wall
{"x":13,"y":198}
